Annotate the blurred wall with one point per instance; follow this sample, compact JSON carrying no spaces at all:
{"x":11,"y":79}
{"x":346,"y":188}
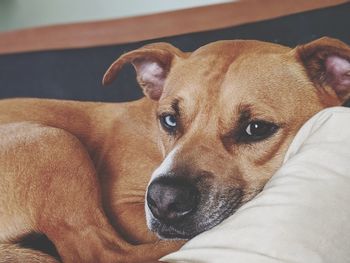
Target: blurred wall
{"x":15,"y":14}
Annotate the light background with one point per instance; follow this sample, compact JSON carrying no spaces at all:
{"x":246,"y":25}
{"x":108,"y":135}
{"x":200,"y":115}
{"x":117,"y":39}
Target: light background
{"x":16,"y":14}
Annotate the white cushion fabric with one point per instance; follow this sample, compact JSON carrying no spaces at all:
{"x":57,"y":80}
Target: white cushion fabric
{"x":303,"y":213}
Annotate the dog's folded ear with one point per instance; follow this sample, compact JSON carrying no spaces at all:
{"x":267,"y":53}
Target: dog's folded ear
{"x":327,"y":63}
{"x":152,"y":64}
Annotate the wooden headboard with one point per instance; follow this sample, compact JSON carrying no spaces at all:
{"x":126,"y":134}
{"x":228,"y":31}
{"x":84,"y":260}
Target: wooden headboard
{"x":100,"y":33}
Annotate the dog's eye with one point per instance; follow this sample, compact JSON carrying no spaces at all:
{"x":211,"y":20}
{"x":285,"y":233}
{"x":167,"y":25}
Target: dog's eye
{"x":168,"y":122}
{"x":258,"y":130}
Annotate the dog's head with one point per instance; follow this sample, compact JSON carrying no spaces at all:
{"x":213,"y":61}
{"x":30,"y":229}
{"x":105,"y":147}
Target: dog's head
{"x":227,"y":113}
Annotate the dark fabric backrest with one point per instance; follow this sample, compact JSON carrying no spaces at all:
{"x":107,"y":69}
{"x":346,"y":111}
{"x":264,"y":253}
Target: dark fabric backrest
{"x":77,"y":73}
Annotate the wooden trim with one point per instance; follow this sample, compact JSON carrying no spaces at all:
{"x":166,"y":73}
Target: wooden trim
{"x":90,"y":34}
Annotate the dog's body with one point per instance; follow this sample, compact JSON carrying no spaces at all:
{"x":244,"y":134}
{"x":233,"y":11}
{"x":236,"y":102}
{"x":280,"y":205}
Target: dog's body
{"x":227,"y":114}
{"x":46,"y":145}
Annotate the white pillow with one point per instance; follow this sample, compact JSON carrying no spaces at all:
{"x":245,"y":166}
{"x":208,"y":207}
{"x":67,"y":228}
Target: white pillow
{"x":303,"y":213}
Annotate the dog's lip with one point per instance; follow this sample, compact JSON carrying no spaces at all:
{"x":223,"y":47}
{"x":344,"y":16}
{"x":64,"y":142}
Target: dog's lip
{"x":170,"y":231}
{"x":166,"y":230}
{"x":174,"y":235}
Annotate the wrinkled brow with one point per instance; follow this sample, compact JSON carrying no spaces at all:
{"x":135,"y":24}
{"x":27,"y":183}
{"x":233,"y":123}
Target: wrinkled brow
{"x":245,"y":114}
{"x":175,"y":106}
{"x":230,"y":137}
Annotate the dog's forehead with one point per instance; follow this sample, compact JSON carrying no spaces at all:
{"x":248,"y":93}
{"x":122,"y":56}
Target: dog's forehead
{"x":207,"y":66}
{"x":226,"y":67}
{"x":266,"y":78}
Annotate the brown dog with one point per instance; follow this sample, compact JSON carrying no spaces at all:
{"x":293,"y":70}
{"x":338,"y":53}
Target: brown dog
{"x":222,"y":116}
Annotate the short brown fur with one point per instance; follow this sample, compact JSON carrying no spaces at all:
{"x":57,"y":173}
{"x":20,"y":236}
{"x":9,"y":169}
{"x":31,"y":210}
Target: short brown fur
{"x":78,"y":172}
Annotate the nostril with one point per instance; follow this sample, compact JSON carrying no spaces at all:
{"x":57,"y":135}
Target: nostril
{"x":150,"y":201}
{"x":177,"y":207}
{"x":185,"y":202}
{"x":180,"y":209}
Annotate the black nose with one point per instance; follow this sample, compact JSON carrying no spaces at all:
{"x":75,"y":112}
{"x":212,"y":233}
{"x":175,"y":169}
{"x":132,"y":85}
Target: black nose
{"x":171,"y":198}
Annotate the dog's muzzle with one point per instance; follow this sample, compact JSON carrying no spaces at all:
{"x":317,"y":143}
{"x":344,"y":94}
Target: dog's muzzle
{"x":171,"y":199}
{"x":181,"y":204}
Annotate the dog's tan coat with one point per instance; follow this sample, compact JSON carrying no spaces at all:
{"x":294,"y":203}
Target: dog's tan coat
{"x":77,"y":172}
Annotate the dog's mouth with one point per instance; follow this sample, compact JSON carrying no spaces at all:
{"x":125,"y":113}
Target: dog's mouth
{"x":187,"y":229}
{"x":211,"y":208}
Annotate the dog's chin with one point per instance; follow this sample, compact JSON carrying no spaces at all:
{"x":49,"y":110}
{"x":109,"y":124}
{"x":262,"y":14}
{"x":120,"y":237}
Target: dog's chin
{"x":186,"y":229}
{"x":169,"y":231}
